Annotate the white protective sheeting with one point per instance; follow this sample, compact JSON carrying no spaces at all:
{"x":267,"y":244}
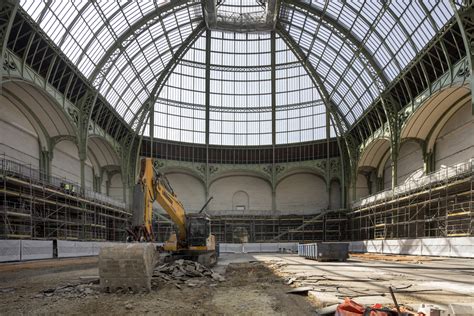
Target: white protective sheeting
{"x":251,"y":247}
{"x":444,"y":247}
{"x":67,"y":249}
{"x":10,"y":250}
{"x":402,"y":246}
{"x":435,"y":247}
{"x":357,"y":246}
{"x":462,"y":247}
{"x":257,"y":247}
{"x":285,"y":246}
{"x":235,"y":248}
{"x":374,"y":246}
{"x":36,"y":249}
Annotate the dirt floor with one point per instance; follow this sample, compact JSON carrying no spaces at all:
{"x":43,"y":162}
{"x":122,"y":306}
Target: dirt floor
{"x":68,"y":287}
{"x":255,"y":284}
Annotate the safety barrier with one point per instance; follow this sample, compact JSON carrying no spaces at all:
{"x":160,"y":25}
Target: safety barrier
{"x":22,"y":250}
{"x":10,"y":250}
{"x":444,"y":247}
{"x":36,"y":249}
{"x":17,"y":250}
{"x":257,"y":247}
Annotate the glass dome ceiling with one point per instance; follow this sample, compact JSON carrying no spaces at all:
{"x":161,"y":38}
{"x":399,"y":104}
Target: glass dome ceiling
{"x":154,"y":52}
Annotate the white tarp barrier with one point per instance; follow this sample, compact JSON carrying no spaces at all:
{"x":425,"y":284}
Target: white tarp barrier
{"x":269,"y":247}
{"x":462,"y":247}
{"x":402,"y":246}
{"x":235,"y":248}
{"x":257,"y":247}
{"x":373,"y":245}
{"x":435,"y":247}
{"x":283,"y":246}
{"x":10,"y":250}
{"x":357,"y":246}
{"x":444,"y":247}
{"x":251,"y":247}
{"x":411,"y":247}
{"x":36,"y":249}
{"x":75,"y":248}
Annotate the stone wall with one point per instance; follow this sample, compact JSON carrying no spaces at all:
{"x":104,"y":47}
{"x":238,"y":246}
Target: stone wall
{"x":18,"y":138}
{"x":231,"y":193}
{"x":410,"y":161}
{"x":455,"y":142}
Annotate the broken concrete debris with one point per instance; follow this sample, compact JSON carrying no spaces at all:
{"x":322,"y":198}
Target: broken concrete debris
{"x":190,"y":273}
{"x":71,"y":290}
{"x":179,"y":272}
{"x":7,"y":290}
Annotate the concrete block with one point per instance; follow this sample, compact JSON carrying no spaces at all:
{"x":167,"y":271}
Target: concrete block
{"x":10,"y":250}
{"x":36,"y":249}
{"x":127,"y":266}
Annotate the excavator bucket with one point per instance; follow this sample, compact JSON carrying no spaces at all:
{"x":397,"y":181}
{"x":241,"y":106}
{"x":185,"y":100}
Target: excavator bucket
{"x":127,"y":266}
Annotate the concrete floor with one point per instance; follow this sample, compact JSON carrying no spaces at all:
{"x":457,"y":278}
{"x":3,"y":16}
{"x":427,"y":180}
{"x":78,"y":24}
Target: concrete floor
{"x":439,"y":281}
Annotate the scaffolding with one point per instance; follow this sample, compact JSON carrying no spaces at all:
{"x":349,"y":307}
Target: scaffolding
{"x":36,"y":206}
{"x":437,"y":205}
{"x":261,"y":228}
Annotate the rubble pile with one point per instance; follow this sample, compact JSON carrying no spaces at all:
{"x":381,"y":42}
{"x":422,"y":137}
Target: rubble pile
{"x":187,"y":272}
{"x":71,"y":291}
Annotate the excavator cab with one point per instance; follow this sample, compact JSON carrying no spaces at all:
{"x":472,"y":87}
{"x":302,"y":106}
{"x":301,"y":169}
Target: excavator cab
{"x":199,"y":229}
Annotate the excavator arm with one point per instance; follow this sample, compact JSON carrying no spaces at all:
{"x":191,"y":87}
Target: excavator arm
{"x":130,"y":265}
{"x":154,"y":187}
{"x":168,"y":201}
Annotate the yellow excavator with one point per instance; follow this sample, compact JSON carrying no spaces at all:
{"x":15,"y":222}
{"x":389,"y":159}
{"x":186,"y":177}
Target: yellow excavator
{"x":130,"y":265}
{"x":193,"y":239}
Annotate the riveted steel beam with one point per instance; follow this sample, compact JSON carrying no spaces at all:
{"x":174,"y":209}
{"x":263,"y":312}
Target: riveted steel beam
{"x":464,"y":12}
{"x":8,"y":10}
{"x":133,"y":140}
{"x":166,"y":72}
{"x":336,"y":116}
{"x":336,"y":26}
{"x":109,"y":58}
{"x":208,"y":87}
{"x":317,"y":81}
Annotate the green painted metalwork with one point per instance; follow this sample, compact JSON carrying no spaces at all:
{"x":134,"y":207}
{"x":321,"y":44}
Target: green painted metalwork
{"x":8,"y":10}
{"x":464,"y":12}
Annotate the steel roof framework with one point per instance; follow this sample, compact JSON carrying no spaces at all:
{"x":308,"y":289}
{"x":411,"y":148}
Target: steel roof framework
{"x":356,"y":49}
